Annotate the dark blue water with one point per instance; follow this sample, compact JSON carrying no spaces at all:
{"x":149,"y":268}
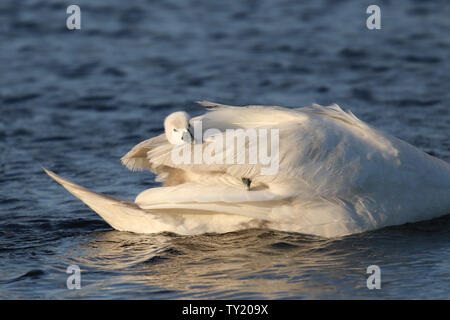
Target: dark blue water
{"x":76,"y":101}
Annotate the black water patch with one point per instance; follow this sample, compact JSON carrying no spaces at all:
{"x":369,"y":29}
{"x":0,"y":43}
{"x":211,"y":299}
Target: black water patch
{"x":155,"y":260}
{"x":407,"y":102}
{"x":96,"y":98}
{"x":16,"y":227}
{"x":115,"y":72}
{"x":323,"y":89}
{"x":196,"y":81}
{"x":172,"y":251}
{"x":76,"y":71}
{"x":434,"y":226}
{"x":299,"y":70}
{"x":419,"y":11}
{"x":53,"y":138}
{"x":265,"y":83}
{"x":157,"y":106}
{"x":350,"y":53}
{"x":95,"y":106}
{"x":380,"y":69}
{"x":85,"y":224}
{"x":10,"y":201}
{"x":421,"y":59}
{"x":33,"y":274}
{"x":132,"y":15}
{"x":21,"y":132}
{"x":283,"y":245}
{"x":363,"y":94}
{"x":28,"y":26}
{"x":20,"y":98}
{"x":218,"y":35}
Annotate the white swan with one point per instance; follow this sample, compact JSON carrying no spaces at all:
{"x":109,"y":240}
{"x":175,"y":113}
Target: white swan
{"x":336,"y":176}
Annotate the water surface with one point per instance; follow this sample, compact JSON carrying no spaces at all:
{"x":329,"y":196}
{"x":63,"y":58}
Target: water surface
{"x":76,"y":101}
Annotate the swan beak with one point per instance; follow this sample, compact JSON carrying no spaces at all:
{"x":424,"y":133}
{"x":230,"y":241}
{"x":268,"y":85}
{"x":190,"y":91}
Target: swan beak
{"x":187,"y":135}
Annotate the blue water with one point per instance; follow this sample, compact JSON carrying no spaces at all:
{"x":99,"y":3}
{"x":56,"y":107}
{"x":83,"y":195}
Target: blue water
{"x":76,"y":101}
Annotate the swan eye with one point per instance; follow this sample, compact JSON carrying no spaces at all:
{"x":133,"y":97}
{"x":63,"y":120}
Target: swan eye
{"x":175,"y":130}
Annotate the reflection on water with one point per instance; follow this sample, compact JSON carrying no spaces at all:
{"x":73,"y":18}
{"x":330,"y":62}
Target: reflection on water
{"x":247,"y":264}
{"x":256,"y":264}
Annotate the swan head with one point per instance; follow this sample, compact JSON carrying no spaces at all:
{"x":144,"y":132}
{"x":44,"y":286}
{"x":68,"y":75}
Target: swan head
{"x":177,"y":128}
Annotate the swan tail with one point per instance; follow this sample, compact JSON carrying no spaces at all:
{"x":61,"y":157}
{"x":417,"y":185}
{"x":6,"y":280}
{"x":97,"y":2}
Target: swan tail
{"x":121,"y":214}
{"x":177,"y":215}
